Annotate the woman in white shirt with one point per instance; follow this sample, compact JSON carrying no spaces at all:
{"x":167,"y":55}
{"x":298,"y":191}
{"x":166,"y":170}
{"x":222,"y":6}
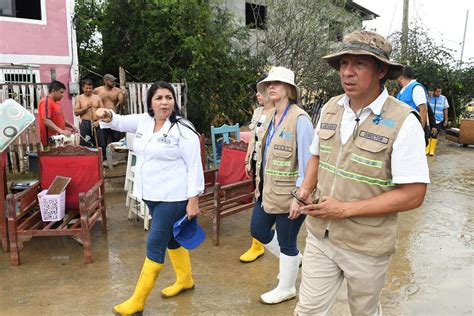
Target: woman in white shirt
{"x":169,"y":178}
{"x":259,"y":120}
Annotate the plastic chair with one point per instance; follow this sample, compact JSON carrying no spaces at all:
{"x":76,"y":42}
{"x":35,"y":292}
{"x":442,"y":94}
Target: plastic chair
{"x":135,"y":205}
{"x":225,"y":131}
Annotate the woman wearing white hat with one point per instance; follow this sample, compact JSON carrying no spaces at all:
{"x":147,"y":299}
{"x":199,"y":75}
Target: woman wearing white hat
{"x":280,"y":167}
{"x":260,"y":120}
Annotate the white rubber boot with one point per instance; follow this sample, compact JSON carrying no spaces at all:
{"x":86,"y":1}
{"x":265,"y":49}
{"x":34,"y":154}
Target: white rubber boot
{"x":285,"y":289}
{"x":273,"y":245}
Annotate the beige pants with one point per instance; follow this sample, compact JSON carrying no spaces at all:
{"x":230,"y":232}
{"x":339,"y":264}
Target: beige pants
{"x":324,"y":268}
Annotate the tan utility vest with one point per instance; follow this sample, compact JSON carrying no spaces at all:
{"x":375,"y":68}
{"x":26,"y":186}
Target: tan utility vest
{"x":281,"y":163}
{"x":255,"y":144}
{"x":358,"y":170}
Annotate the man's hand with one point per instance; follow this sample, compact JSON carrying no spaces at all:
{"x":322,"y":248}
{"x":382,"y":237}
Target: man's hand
{"x":66,"y":133}
{"x":327,"y":208}
{"x":445,"y":123}
{"x":75,"y":129}
{"x":104,"y":115}
{"x":95,"y":123}
{"x":434,"y":131}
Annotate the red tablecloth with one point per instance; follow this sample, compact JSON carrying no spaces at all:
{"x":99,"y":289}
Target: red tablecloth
{"x":232,"y":166}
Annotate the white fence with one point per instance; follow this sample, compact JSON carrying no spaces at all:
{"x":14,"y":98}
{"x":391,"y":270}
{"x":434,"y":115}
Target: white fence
{"x":29,"y":94}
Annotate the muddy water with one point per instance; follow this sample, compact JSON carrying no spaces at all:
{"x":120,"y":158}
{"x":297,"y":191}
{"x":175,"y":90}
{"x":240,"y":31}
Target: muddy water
{"x":431,"y":273}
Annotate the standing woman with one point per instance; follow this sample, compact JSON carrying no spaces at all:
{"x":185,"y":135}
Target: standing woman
{"x":280,"y":168}
{"x":169,"y":178}
{"x":259,"y":121}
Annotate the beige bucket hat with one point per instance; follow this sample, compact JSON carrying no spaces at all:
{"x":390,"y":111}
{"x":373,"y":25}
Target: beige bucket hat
{"x":366,"y":43}
{"x":281,"y":74}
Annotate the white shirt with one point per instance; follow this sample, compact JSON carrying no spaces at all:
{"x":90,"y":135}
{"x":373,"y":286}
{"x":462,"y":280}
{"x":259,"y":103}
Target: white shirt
{"x":409,"y":164}
{"x":418,"y":94}
{"x":168,"y":164}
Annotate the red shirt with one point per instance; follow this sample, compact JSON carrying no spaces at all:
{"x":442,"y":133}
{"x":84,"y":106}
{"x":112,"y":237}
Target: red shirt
{"x":55,"y":114}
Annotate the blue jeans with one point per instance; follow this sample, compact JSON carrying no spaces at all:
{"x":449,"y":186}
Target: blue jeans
{"x":160,"y":235}
{"x":287,"y":229}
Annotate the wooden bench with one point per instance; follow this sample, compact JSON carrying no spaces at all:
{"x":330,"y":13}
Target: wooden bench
{"x":85,"y":201}
{"x":224,"y":199}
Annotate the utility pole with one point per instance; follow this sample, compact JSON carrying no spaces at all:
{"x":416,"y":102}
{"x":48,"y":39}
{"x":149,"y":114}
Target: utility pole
{"x":464,"y":38}
{"x":404,"y":53}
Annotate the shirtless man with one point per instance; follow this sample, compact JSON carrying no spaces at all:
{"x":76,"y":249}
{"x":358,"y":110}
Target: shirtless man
{"x":85,"y":107}
{"x":112,"y":98}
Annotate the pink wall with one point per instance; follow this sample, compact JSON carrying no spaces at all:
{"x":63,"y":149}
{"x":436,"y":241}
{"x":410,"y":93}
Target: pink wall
{"x":34,"y":39}
{"x":49,"y":40}
{"x":63,"y":75}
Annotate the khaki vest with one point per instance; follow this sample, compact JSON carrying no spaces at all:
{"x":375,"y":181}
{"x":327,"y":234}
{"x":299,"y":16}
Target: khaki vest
{"x":255,"y":144}
{"x":359,"y":170}
{"x":281,"y":164}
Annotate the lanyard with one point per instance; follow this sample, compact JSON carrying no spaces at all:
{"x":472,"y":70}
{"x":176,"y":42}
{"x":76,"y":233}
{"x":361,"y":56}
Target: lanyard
{"x":271,"y":131}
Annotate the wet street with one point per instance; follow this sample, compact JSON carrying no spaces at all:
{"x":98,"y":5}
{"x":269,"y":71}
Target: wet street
{"x":432,"y":273}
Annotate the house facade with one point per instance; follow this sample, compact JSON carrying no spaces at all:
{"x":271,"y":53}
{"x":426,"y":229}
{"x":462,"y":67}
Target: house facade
{"x":38,"y":45}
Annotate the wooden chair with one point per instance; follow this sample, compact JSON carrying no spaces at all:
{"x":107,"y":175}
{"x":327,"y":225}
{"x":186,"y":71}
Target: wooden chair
{"x":464,"y":135}
{"x":228,"y":190}
{"x":85,"y":201}
{"x":225,"y":130}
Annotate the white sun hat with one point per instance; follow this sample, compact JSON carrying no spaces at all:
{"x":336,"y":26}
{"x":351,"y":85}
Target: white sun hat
{"x":281,"y":74}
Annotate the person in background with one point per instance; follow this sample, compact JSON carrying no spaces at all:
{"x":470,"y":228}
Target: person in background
{"x":439,"y":104}
{"x":51,"y":118}
{"x":169,"y":178}
{"x":85,"y":107}
{"x":259,"y":121}
{"x":112,"y":98}
{"x":367,"y":164}
{"x":413,"y":93}
{"x":280,"y":167}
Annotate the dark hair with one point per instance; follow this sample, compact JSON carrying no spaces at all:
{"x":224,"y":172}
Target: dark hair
{"x":436,"y":87}
{"x":408,"y":72}
{"x":175,"y":116}
{"x":86,"y":82}
{"x":55,"y":86}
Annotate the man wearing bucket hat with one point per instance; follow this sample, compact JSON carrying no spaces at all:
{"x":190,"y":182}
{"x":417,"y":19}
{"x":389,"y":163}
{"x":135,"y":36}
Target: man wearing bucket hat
{"x":280,"y":167}
{"x":368,"y":163}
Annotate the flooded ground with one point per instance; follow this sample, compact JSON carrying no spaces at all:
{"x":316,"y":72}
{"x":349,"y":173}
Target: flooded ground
{"x":431,"y":273}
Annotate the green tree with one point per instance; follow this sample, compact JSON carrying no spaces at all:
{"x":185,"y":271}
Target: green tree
{"x":435,"y":65}
{"x":86,"y":23}
{"x":299,"y":32}
{"x":183,"y":40}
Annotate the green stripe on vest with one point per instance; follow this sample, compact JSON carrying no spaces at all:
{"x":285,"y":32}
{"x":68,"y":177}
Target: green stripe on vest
{"x":355,"y":176}
{"x":281,"y":173}
{"x":367,"y":161}
{"x":324,"y":148}
{"x":281,"y":163}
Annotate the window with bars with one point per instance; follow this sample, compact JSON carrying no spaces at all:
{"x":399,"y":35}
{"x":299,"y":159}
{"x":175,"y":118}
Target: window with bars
{"x":255,"y":15}
{"x":21,"y":9}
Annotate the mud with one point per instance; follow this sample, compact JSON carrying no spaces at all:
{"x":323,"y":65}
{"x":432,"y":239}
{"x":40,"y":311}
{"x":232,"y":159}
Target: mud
{"x":431,"y":273}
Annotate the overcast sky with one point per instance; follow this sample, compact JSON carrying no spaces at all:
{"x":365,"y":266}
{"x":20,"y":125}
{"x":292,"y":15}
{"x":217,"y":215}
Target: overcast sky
{"x":443,"y":20}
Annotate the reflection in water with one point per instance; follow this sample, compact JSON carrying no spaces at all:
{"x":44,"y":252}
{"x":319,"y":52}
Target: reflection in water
{"x":431,"y":273}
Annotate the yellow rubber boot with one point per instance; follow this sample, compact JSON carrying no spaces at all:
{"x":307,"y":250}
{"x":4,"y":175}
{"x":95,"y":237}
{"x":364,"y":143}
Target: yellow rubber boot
{"x":256,"y":251}
{"x":146,"y":282}
{"x":427,"y":149}
{"x":182,"y":267}
{"x":433,"y":146}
